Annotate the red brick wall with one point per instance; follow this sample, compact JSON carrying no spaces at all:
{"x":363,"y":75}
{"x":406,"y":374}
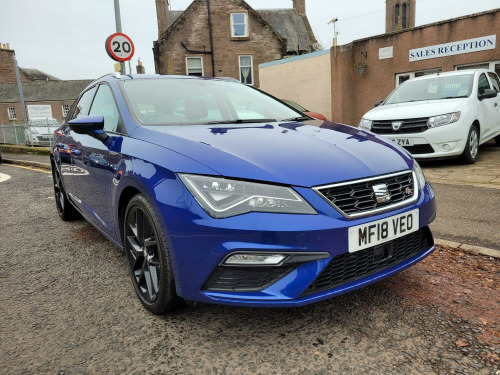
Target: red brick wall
{"x":263,"y":44}
{"x":354,"y":95}
{"x":7,"y":71}
{"x":56,"y":110}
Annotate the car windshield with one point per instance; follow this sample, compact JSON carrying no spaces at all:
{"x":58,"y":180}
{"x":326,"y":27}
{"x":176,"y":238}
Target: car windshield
{"x":188,"y":101}
{"x":432,"y":88}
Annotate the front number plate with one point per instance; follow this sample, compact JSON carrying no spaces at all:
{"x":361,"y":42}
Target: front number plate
{"x":380,"y":231}
{"x":403,"y":141}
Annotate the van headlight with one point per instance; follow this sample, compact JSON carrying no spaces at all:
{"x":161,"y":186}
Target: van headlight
{"x":441,"y":120}
{"x":419,"y":174}
{"x":365,"y":124}
{"x":222,"y":197}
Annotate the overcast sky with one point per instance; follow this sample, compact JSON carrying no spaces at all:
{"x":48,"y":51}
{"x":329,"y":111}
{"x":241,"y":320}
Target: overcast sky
{"x":66,"y":38}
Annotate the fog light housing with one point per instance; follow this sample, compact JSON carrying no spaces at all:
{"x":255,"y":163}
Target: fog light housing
{"x":255,"y":259}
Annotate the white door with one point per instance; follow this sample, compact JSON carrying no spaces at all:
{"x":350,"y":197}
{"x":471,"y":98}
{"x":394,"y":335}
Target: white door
{"x":495,"y":83}
{"x":487,"y":108}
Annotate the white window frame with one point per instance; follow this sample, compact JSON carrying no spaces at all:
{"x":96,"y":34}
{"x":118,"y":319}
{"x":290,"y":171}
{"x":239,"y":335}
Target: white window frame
{"x":412,"y":74}
{"x":245,"y":23}
{"x":491,"y":64}
{"x":251,"y":66}
{"x":65,"y":109}
{"x":12,"y":113}
{"x":195,"y":57}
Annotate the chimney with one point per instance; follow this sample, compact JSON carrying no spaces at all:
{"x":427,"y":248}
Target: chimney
{"x":300,"y":7}
{"x":140,"y":69}
{"x":162,"y":16}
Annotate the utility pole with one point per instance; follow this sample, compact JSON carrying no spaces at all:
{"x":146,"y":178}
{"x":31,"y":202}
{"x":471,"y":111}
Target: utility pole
{"x":118,"y":21}
{"x":335,"y":33}
{"x":20,"y":89}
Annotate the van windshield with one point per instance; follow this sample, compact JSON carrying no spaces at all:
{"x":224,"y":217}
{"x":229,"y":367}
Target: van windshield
{"x":188,"y":101}
{"x":434,"y":88}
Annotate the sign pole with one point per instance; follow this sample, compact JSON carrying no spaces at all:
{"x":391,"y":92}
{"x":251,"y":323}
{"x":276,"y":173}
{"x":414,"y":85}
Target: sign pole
{"x":118,"y":22}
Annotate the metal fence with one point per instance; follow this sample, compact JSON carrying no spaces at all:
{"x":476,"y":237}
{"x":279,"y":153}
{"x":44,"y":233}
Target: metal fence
{"x":31,"y":134}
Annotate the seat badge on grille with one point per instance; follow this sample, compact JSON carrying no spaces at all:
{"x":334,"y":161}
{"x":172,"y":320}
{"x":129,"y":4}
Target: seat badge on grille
{"x":396,"y":125}
{"x":381,"y":193}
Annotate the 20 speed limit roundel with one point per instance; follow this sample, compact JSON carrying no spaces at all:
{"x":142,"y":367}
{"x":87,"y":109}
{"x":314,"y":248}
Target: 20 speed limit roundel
{"x":120,"y":47}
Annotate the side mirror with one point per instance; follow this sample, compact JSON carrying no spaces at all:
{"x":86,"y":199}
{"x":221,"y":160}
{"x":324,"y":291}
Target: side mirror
{"x":488,"y":94}
{"x":378,"y":102}
{"x":91,"y":125}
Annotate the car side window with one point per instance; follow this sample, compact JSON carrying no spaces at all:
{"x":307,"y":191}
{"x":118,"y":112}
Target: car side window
{"x":495,"y":81}
{"x":483,"y":84}
{"x":83,"y":105}
{"x":104,"y":104}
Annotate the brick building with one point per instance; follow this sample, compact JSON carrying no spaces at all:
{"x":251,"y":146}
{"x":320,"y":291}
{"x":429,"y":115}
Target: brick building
{"x":43,"y":93}
{"x":368,"y":69}
{"x":228,"y":38}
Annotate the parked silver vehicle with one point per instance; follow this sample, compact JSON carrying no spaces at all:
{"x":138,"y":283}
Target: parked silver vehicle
{"x":40,"y":131}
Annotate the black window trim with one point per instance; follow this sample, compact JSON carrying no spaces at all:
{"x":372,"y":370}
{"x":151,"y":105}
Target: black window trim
{"x":120,"y":124}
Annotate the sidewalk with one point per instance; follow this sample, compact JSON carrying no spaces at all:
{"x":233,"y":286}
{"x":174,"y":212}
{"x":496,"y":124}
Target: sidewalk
{"x":29,"y":160}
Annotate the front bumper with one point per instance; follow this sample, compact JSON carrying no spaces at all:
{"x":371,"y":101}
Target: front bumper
{"x":440,"y":142}
{"x":199,"y":243}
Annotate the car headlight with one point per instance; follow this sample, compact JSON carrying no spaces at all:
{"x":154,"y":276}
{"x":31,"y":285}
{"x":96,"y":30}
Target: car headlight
{"x":441,"y":120}
{"x":419,"y":174}
{"x":221,"y":197}
{"x":365,"y":124}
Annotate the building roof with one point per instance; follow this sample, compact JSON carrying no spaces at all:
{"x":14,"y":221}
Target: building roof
{"x":38,"y":75}
{"x":286,"y":22}
{"x":40,"y":91}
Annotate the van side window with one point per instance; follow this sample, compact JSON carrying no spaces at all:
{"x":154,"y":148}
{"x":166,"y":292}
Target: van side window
{"x":483,"y":84}
{"x":495,"y":81}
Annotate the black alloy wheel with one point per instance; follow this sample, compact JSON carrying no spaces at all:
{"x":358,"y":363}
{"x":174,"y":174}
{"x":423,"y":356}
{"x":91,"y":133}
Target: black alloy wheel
{"x":64,"y":208}
{"x":148,"y":257}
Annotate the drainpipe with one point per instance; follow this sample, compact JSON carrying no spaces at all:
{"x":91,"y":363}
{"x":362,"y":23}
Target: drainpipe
{"x":20,"y":89}
{"x":211,"y":38}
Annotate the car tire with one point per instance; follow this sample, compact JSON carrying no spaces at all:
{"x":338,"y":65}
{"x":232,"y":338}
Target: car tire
{"x":64,"y":207}
{"x":469,"y":156}
{"x":148,"y":257}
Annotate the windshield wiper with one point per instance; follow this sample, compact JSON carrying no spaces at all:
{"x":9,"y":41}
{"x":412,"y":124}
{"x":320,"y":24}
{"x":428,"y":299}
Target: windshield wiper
{"x":242,"y":121}
{"x":300,"y":118}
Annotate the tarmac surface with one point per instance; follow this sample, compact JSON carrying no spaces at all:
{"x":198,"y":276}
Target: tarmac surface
{"x":68,"y":307}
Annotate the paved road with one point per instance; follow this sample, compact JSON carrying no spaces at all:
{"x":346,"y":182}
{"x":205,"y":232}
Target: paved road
{"x":69,"y":307}
{"x":468,"y":214}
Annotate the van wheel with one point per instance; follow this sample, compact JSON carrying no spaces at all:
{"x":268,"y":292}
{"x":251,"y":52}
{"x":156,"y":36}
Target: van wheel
{"x":469,"y":156}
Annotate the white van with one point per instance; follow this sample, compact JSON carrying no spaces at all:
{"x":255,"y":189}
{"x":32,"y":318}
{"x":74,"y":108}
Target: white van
{"x":440,"y":115}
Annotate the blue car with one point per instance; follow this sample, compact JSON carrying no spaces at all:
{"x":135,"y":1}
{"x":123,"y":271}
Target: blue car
{"x":220,"y":193}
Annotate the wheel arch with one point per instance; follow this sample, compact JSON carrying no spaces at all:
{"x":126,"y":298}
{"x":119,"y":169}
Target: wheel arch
{"x":125,"y":196}
{"x":478,"y":126}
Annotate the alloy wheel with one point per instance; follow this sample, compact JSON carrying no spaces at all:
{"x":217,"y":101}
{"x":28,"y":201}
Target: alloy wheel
{"x":143,"y":254}
{"x":58,"y":190}
{"x":473,"y":144}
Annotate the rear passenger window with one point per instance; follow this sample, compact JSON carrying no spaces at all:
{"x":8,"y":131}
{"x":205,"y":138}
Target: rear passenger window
{"x":483,"y":84}
{"x":82,"y":108}
{"x":495,"y":81}
{"x":104,"y":104}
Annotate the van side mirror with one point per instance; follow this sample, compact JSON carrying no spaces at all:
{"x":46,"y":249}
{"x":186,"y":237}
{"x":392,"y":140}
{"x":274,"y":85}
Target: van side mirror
{"x":90,"y":125}
{"x":378,"y":102}
{"x":488,"y":94}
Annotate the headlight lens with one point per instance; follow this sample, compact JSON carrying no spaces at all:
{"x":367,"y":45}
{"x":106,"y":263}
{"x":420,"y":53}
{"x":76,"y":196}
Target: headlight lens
{"x":365,"y":124}
{"x":221,"y":197}
{"x":441,"y":120}
{"x":419,"y":174}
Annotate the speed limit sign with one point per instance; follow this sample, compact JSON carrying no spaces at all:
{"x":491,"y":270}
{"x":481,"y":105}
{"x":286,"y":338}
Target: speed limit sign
{"x":120,"y":47}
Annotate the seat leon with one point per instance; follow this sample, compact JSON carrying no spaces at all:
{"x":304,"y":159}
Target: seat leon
{"x":219,"y":193}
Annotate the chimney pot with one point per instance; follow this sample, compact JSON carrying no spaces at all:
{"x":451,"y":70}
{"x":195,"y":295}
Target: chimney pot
{"x":8,"y":47}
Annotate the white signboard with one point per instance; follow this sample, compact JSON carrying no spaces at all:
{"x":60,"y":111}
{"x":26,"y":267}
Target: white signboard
{"x":385,"y":53}
{"x":455,"y":48}
{"x":39,"y":111}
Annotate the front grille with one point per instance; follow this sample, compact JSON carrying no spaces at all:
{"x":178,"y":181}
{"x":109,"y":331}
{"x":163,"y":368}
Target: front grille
{"x":245,"y":279}
{"x":419,"y":149}
{"x":414,"y":125}
{"x":359,"y":197}
{"x":349,"y":267}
